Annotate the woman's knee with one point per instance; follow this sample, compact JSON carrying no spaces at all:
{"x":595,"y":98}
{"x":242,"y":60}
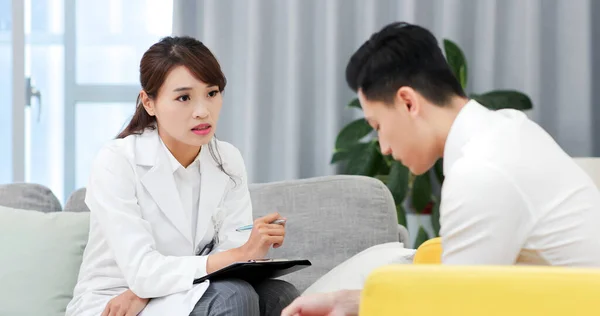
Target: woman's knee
{"x":277,"y":294}
{"x":240,"y":294}
{"x":228,"y":297}
{"x":288,"y":291}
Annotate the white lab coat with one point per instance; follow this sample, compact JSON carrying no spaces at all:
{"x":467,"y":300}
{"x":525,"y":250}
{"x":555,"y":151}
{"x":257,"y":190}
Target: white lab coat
{"x":140,"y":237}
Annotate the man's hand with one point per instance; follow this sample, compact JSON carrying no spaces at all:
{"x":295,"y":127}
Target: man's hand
{"x":343,"y":303}
{"x":126,"y":304}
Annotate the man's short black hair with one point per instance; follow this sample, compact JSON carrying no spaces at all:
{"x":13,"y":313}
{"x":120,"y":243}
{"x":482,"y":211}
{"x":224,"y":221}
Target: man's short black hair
{"x":402,"y":54}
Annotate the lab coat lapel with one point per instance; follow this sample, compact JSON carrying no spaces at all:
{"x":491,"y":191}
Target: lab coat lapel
{"x":160,"y":183}
{"x":212,"y":187}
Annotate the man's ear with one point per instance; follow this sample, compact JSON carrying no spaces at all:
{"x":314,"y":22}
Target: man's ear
{"x":147,"y":103}
{"x":408,"y":99}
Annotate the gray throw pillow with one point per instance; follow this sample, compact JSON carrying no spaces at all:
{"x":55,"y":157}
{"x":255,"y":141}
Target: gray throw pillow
{"x":29,"y":196}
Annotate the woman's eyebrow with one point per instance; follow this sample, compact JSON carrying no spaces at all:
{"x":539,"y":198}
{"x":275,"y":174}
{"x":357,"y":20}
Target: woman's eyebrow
{"x":182,"y":89}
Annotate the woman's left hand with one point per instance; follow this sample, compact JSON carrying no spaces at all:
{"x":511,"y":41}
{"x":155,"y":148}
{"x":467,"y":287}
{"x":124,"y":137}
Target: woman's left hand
{"x":125,"y":304}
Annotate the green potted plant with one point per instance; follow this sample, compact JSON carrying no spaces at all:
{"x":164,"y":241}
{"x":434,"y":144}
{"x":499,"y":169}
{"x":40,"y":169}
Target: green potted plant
{"x":358,"y":153}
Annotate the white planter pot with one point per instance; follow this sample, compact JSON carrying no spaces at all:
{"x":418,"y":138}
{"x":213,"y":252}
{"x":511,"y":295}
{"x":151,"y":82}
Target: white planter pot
{"x":414,"y":221}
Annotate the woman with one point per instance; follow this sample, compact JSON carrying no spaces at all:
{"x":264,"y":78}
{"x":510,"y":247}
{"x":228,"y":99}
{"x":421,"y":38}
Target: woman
{"x":164,"y":193}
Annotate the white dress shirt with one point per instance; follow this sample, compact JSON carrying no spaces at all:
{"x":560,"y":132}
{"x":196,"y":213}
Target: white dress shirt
{"x":511,"y":195}
{"x":187,"y":181}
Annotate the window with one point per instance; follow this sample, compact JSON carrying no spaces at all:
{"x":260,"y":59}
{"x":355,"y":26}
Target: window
{"x":92,"y":133}
{"x":82,"y":57}
{"x":111,"y":37}
{"x":5,"y":91}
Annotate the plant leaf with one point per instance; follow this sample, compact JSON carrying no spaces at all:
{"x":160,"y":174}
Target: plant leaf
{"x":398,"y":183}
{"x":389,"y":160}
{"x":339,"y":155}
{"x":345,"y":154}
{"x":401,"y":215}
{"x":364,"y":159}
{"x":422,"y":237}
{"x":457,"y":61}
{"x":383,"y":178}
{"x":438,"y":169}
{"x":411,"y":180}
{"x":462,"y":76}
{"x":383,"y":168}
{"x":355,"y":104}
{"x":435,"y":218}
{"x":421,"y":192}
{"x":352,"y":133}
{"x":504,"y":99}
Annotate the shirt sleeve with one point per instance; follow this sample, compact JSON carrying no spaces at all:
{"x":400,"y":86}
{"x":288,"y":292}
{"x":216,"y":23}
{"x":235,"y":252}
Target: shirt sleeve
{"x":484,"y":216}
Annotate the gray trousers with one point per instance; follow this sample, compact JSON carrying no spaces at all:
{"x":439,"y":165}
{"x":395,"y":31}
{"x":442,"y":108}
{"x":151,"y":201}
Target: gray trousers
{"x":237,"y":297}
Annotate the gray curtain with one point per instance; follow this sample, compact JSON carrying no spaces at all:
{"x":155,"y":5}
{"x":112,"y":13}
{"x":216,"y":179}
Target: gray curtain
{"x":285,"y":61}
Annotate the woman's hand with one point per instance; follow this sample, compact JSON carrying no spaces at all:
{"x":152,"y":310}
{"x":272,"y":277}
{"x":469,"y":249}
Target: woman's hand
{"x":125,"y":304}
{"x":263,"y":236}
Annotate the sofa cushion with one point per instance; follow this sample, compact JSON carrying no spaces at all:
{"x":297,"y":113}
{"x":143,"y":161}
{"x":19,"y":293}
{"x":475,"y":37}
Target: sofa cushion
{"x":330,"y":219}
{"x":352,"y":273}
{"x":40,"y":259}
{"x":29,"y":196}
{"x":76,"y":202}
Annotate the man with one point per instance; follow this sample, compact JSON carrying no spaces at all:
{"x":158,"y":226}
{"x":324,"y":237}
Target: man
{"x":511,"y":195}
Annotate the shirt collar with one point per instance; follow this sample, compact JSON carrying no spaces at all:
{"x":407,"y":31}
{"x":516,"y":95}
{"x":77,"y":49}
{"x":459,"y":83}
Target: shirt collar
{"x":471,"y":120}
{"x":173,"y":161}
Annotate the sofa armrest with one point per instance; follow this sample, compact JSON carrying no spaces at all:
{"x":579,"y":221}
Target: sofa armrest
{"x":428,"y":290}
{"x":403,"y":236}
{"x":429,"y":252}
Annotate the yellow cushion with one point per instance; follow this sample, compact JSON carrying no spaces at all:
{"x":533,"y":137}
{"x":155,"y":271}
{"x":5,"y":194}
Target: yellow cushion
{"x":428,"y":290}
{"x":430,"y":252}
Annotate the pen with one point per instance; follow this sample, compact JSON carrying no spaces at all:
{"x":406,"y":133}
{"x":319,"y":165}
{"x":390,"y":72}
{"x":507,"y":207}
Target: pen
{"x":249,"y":227}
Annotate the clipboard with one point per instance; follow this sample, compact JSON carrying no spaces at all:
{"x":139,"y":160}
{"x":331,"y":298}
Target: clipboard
{"x":256,"y":270}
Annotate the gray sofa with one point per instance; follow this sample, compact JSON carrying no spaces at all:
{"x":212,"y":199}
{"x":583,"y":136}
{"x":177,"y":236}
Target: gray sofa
{"x":330,"y":219}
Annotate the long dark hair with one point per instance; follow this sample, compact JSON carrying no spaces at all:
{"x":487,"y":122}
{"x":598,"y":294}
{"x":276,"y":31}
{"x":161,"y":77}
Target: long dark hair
{"x":155,"y":65}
